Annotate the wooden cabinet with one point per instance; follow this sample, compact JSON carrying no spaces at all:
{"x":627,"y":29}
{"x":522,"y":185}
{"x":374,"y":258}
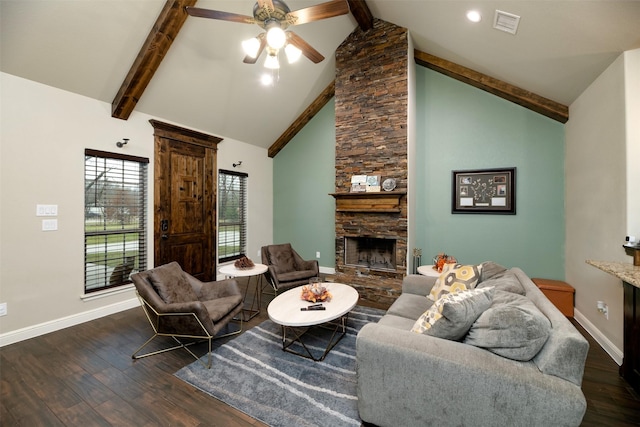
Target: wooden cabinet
{"x":630,"y":369}
{"x":559,"y":293}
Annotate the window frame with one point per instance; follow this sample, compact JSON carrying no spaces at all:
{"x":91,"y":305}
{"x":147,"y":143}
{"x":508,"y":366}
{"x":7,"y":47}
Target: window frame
{"x":241,"y":223}
{"x":118,"y":200}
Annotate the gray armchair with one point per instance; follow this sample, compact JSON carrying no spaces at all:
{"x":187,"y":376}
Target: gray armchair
{"x":286,"y":268}
{"x":182,"y":307}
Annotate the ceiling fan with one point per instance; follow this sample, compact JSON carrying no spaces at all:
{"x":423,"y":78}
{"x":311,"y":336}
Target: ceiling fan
{"x":274,"y":16}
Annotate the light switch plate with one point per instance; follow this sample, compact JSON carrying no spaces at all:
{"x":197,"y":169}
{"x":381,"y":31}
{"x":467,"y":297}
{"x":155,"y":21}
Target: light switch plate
{"x":46,"y":210}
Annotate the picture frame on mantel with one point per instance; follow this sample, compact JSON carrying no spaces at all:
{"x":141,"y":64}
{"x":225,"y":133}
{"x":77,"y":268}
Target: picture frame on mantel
{"x":484,"y":191}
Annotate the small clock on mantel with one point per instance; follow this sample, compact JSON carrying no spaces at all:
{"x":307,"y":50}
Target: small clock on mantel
{"x":389,"y":184}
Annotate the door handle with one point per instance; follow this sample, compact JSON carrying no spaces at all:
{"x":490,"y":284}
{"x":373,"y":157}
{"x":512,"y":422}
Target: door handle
{"x":164,"y":236}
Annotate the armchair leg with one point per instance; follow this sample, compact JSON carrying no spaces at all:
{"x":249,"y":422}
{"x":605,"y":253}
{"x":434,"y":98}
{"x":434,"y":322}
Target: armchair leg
{"x":185,"y":346}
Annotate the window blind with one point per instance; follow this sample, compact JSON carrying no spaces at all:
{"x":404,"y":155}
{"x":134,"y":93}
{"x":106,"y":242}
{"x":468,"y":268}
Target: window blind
{"x":232,"y":215}
{"x":115,"y":218}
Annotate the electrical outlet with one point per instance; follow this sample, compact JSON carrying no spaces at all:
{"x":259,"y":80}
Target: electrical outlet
{"x":3,"y":309}
{"x":603,"y":308}
{"x":318,"y":255}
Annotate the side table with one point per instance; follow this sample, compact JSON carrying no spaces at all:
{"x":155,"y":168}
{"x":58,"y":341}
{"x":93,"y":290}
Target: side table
{"x":427,"y":270}
{"x":256,"y":271}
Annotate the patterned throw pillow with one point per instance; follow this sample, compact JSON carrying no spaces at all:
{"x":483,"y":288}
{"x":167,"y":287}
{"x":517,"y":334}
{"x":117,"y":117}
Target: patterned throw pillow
{"x":452,"y":315}
{"x":454,"y":278}
{"x":513,"y":327}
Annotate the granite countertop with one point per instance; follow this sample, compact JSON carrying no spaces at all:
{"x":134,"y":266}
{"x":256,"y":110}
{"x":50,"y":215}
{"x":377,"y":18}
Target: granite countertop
{"x":622,"y":270}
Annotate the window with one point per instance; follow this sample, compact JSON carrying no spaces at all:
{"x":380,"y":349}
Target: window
{"x":115,"y":227}
{"x":232,"y":215}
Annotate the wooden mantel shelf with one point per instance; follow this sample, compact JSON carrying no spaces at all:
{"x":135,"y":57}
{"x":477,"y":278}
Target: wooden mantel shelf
{"x":382,"y":202}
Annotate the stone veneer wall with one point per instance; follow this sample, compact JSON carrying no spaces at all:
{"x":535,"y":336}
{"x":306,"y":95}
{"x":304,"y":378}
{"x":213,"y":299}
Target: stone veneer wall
{"x":371,"y":103}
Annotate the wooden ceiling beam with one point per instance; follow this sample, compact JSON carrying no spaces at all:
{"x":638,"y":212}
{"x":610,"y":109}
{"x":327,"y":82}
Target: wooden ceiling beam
{"x":537,"y":103}
{"x":303,"y":119}
{"x":360,"y":10}
{"x":153,"y":50}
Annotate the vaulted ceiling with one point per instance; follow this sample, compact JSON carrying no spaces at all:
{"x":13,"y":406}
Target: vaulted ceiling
{"x":89,"y":46}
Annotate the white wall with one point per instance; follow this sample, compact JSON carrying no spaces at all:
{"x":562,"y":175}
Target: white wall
{"x":632,"y":101}
{"x":44,"y":132}
{"x":599,"y":202}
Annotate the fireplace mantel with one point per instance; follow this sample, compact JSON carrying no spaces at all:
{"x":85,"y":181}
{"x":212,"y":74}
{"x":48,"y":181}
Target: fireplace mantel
{"x":383,"y":202}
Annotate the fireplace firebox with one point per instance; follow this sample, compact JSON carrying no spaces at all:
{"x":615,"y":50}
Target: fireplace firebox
{"x":373,"y":253}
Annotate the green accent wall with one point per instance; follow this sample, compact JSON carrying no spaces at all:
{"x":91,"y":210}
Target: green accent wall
{"x":460,"y":127}
{"x":303,"y":178}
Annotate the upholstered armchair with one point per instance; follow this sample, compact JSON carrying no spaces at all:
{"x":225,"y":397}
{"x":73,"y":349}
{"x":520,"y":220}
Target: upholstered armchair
{"x":286,"y":268}
{"x":182,"y":307}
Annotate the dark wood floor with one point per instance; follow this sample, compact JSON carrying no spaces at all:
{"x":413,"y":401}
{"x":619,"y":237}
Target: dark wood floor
{"x":84,"y":376}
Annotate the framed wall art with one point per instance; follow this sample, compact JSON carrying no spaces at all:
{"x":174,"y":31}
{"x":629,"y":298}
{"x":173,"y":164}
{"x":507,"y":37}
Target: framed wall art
{"x":487,"y":191}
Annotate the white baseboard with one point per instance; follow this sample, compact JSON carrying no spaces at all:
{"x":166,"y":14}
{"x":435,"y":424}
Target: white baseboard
{"x":64,"y":322}
{"x":613,"y":351}
{"x":327,"y":270}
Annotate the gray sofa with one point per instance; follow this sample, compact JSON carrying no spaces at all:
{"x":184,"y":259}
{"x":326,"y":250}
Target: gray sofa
{"x":412,"y":379}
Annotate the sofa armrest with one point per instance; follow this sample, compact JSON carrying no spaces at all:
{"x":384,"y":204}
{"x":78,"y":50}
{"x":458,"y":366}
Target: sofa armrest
{"x":418,"y":284}
{"x":406,"y":379}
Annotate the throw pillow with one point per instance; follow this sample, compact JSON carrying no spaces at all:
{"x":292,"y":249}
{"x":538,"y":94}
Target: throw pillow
{"x":506,"y":281}
{"x":512,"y":327}
{"x":452,"y":315}
{"x":491,"y":269}
{"x":454,"y":278}
{"x":171,"y":284}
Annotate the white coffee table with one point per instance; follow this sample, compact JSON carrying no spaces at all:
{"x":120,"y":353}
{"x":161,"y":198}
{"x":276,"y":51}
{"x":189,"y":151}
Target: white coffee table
{"x":256,"y":271}
{"x":285,"y":311}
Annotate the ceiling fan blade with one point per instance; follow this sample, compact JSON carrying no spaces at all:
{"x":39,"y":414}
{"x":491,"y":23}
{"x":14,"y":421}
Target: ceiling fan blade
{"x":306,"y":48}
{"x":266,"y":3}
{"x":216,"y":14}
{"x":263,"y":42}
{"x":318,"y":12}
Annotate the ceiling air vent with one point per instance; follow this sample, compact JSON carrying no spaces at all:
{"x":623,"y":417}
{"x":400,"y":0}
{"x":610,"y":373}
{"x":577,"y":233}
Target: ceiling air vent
{"x":505,"y":21}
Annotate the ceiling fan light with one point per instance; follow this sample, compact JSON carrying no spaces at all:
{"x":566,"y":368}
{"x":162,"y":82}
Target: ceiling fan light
{"x":276,"y":37}
{"x":251,"y":47}
{"x":293,"y":53}
{"x":272,"y":62}
{"x":266,"y":80}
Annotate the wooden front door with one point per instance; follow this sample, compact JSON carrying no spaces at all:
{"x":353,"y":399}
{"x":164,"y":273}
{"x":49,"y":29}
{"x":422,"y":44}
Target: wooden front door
{"x":185,"y":199}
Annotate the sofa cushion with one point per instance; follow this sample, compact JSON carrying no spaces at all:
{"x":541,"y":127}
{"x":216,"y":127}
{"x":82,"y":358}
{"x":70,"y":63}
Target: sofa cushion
{"x":451,"y":316}
{"x":455,"y":277}
{"x":410,"y":306}
{"x":512,"y":327}
{"x":504,"y":281}
{"x":171,"y":284}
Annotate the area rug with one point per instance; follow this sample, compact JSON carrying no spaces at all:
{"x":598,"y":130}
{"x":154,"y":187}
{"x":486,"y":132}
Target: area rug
{"x":252,"y":374}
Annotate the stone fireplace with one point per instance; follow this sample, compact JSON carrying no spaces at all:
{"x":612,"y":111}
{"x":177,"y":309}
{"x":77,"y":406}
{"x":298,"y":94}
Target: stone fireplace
{"x":371,"y":107}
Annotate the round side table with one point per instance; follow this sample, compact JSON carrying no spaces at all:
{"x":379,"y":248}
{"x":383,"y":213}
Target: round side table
{"x":427,"y":270}
{"x":257,"y":271}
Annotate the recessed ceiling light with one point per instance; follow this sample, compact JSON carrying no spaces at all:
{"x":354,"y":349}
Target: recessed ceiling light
{"x":474,"y":16}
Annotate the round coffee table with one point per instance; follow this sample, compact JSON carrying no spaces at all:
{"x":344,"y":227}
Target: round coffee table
{"x":285,"y":311}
